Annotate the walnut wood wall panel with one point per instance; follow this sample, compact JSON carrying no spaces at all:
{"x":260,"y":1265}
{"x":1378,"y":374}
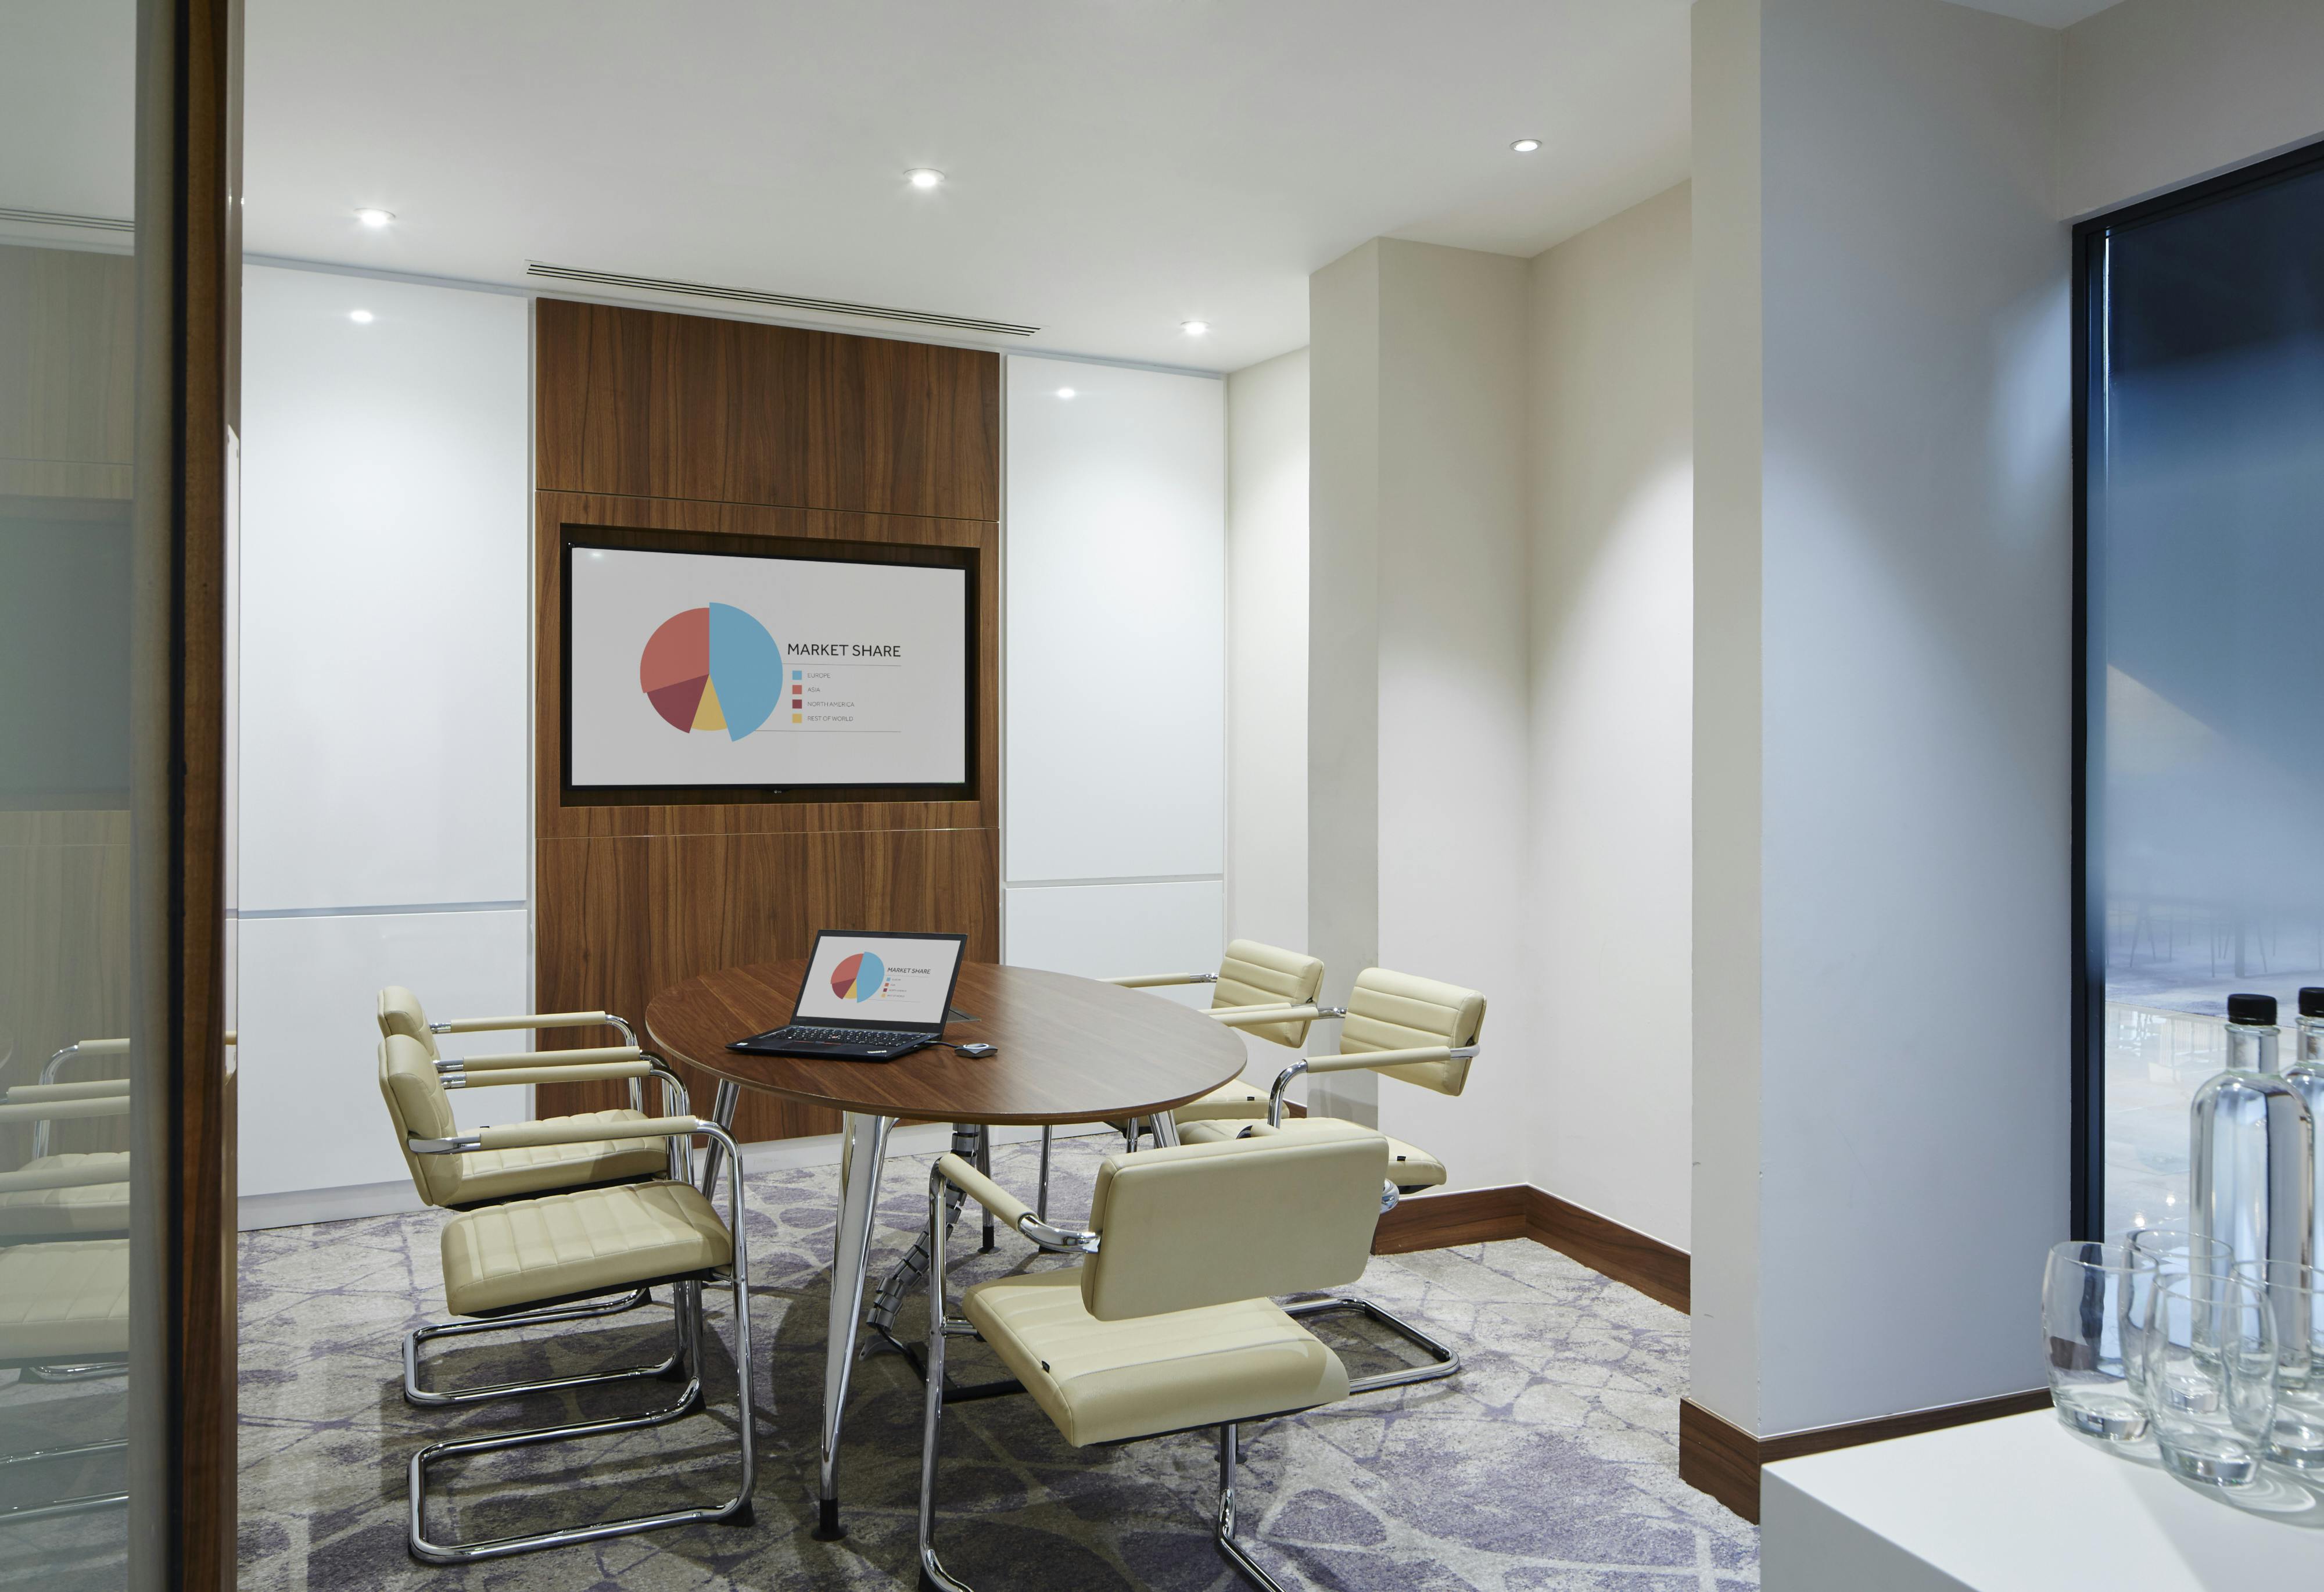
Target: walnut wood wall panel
{"x":643,"y":404}
{"x":722,"y":430}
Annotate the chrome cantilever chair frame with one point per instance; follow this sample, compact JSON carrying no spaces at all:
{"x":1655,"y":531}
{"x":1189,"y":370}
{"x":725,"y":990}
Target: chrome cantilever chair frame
{"x":453,"y":1075}
{"x":934,"y":1577}
{"x":56,"y":1064}
{"x":944,"y":1326}
{"x":734,"y":1510}
{"x":81,"y":1366}
{"x":1445,"y":1357}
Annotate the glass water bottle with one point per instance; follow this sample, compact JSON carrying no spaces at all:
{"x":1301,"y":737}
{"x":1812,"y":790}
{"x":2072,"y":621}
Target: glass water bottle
{"x":2254,"y":1147}
{"x":2305,"y":1073}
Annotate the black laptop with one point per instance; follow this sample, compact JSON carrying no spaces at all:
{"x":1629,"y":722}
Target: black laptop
{"x":867,"y":998}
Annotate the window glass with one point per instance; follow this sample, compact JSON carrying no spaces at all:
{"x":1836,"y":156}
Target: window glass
{"x":2204,"y":831}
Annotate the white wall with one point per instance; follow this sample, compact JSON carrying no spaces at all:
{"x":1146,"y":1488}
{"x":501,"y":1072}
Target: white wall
{"x":1417,"y":665}
{"x":1908,"y":635}
{"x":2158,"y":93}
{"x":1344,"y":320}
{"x":385,"y":713}
{"x":1266,"y":651}
{"x":1611,"y":802}
{"x":1114,"y":849}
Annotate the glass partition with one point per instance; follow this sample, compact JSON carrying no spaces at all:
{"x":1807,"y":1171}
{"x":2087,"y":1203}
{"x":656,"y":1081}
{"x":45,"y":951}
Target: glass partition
{"x":83,"y":1111}
{"x":2203,"y":676}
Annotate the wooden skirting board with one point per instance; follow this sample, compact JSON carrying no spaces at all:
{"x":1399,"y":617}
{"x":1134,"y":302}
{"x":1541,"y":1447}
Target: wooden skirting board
{"x":1722,"y":1460}
{"x":1714,"y":1456}
{"x":1477,"y":1216}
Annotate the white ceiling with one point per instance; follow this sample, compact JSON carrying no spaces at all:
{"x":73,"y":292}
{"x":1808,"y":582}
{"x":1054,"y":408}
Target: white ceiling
{"x":1117,"y":166}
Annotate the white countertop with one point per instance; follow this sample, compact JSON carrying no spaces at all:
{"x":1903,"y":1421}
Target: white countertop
{"x":2022,"y":1504}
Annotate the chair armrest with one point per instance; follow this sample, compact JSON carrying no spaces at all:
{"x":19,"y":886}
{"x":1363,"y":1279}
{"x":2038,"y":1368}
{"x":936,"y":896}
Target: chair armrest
{"x":541,"y":1058}
{"x":1157,"y":980}
{"x":1248,"y":1017}
{"x":79,"y":1176}
{"x":981,"y":1189}
{"x":65,"y":1110}
{"x":530,"y":1020}
{"x":1386,"y":1058}
{"x":1009,"y":1209}
{"x":528,"y":1135}
{"x":1357,"y":1063}
{"x":501,"y":1077}
{"x":104,"y":1089}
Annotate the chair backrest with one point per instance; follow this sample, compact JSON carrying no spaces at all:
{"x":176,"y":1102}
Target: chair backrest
{"x":1256,"y":975}
{"x":1248,"y":1218}
{"x":400,"y":1012}
{"x":419,"y":1105}
{"x":1396,"y":1011}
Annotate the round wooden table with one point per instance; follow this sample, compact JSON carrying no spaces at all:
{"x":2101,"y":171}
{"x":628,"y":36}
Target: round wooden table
{"x":1068,"y":1050}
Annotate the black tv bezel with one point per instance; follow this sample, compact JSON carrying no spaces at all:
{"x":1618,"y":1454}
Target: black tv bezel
{"x":573,"y":538}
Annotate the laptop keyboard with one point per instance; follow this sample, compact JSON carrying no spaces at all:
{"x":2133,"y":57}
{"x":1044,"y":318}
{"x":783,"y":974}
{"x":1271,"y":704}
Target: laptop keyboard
{"x":867,"y":1039}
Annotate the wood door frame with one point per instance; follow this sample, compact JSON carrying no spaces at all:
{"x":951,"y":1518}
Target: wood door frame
{"x":183,"y":1497}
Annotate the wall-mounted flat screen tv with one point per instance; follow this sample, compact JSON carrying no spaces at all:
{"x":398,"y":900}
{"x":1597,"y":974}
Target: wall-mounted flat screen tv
{"x":740,"y":672}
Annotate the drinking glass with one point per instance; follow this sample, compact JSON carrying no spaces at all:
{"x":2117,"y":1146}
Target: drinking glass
{"x":2209,"y":1343}
{"x":2175,"y":1252}
{"x":2294,"y":1297}
{"x":2092,"y":1301}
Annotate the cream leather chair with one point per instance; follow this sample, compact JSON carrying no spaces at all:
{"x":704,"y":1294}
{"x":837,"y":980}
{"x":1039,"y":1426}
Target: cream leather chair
{"x":400,"y":1012}
{"x":1260,"y":989}
{"x":95,"y":1202}
{"x":571,"y":1157}
{"x":1161,"y":1327}
{"x":1413,"y":1029}
{"x":520,"y":1260}
{"x":64,"y":1304}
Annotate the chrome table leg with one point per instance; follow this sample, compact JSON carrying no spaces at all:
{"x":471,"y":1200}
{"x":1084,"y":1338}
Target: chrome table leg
{"x":1041,"y":1198}
{"x":722,"y":1112}
{"x":865,"y":1148}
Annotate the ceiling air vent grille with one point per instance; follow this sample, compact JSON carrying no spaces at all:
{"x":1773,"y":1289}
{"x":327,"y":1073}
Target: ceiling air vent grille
{"x":919,"y":318}
{"x":54,"y":219}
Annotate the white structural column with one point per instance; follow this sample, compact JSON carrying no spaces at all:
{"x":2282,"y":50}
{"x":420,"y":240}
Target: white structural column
{"x":1612,"y":792}
{"x":1418,"y":666}
{"x":1882,"y":745}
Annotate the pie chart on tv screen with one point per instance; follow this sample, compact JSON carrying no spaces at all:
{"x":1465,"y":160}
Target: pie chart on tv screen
{"x":858,"y":977}
{"x":712,"y":667}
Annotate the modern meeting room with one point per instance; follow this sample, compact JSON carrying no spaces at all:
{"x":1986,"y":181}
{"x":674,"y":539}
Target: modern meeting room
{"x":1510,"y":796}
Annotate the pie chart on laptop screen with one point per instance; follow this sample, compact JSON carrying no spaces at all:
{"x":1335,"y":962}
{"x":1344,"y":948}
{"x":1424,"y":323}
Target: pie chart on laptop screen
{"x":710,"y":669}
{"x":858,"y":977}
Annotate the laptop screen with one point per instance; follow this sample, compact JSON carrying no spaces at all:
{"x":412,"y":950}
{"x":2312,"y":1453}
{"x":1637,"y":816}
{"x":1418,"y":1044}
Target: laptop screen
{"x":879,"y":981}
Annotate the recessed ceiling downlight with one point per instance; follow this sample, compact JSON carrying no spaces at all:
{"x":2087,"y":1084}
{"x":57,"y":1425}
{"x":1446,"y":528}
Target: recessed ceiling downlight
{"x":370,"y":218}
{"x":361,"y":317}
{"x":1195,"y":328}
{"x":925,"y":177}
{"x":1064,"y":392}
{"x":1526,"y":146}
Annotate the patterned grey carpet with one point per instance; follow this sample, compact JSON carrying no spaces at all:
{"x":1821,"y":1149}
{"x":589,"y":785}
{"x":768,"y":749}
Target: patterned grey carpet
{"x":1551,"y":1462}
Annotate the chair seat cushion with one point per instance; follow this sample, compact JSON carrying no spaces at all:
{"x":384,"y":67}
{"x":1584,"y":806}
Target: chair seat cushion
{"x":589,"y":1241}
{"x":1409,"y":1166}
{"x":497,"y":1174}
{"x":64,"y":1301}
{"x":84,"y":1208}
{"x":1230,"y":1102}
{"x":1109,"y":1380}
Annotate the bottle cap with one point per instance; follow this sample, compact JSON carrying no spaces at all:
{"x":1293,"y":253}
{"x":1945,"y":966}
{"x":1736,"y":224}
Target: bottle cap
{"x":2258,"y":1010}
{"x":2311,"y":1002}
